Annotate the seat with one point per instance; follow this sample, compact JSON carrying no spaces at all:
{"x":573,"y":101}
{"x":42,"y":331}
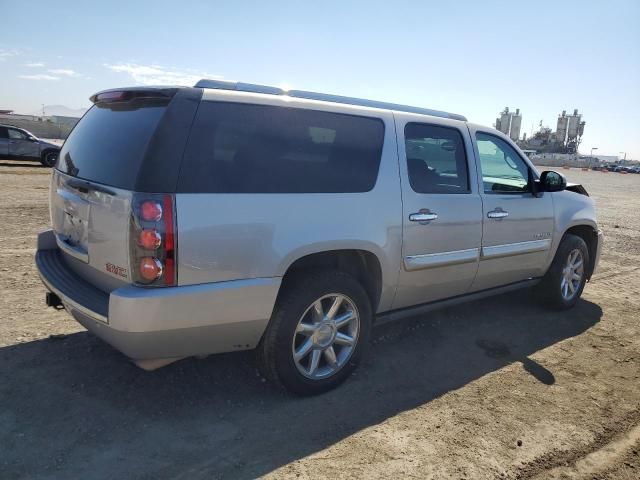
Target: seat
{"x":422,"y":178}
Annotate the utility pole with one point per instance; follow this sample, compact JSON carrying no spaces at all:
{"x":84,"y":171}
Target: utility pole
{"x":624,"y":160}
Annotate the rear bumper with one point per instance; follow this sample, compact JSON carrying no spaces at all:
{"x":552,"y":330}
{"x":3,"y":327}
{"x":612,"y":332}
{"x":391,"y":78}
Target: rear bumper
{"x":151,"y":323}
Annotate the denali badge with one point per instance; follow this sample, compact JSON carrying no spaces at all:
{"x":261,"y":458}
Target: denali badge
{"x":116,"y":270}
{"x":542,"y":235}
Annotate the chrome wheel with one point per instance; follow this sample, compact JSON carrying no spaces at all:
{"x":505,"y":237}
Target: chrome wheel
{"x":572,"y":274}
{"x":326,"y":336}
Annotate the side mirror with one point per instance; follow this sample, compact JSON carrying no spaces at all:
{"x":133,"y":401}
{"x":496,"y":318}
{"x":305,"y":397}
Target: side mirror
{"x":551,"y":181}
{"x":32,"y":139}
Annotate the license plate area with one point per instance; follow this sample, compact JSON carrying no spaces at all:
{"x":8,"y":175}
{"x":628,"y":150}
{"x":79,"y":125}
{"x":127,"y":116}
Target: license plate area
{"x":72,"y":233}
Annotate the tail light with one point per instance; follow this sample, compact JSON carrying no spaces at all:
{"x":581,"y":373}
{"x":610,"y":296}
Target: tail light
{"x":152,"y":245}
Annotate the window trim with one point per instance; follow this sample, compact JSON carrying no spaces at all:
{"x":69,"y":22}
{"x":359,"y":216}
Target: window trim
{"x":530,"y":175}
{"x":468,"y":189}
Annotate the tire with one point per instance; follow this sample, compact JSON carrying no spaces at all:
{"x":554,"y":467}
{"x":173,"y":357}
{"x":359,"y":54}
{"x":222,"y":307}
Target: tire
{"x":555,"y":289}
{"x":49,"y":158}
{"x":284,"y":337}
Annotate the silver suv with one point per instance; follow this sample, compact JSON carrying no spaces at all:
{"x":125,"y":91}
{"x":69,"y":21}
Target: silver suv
{"x":230,"y":216}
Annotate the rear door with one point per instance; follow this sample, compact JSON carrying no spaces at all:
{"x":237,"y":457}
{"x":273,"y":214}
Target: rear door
{"x":117,"y":149}
{"x":517,"y":225}
{"x":91,"y":225}
{"x":21,"y":145}
{"x":442,"y":212}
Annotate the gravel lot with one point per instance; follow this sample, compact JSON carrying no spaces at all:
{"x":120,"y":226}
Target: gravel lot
{"x":499,"y":388}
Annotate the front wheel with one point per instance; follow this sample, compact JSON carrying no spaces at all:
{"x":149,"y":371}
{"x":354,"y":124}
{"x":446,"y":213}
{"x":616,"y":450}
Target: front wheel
{"x":318,"y":332}
{"x":562,"y":285}
{"x":49,"y":158}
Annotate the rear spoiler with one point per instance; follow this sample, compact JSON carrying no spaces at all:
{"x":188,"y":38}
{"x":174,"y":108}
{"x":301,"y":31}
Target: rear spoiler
{"x":123,"y":95}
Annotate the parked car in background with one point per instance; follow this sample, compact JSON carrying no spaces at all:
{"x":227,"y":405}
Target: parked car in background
{"x":229,"y":216}
{"x":19,"y":144}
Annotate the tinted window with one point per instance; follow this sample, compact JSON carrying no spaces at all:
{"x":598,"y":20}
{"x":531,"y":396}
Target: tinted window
{"x":503,"y":170}
{"x":237,"y":148}
{"x":108,"y":145}
{"x":3,"y":132}
{"x":17,"y":134}
{"x":436,"y":159}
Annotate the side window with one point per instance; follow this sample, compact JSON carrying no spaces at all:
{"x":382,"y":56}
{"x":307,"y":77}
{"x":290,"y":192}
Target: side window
{"x":3,"y":132}
{"x":436,"y":159}
{"x":503,"y":170}
{"x":242,"y":148}
{"x":16,"y":134}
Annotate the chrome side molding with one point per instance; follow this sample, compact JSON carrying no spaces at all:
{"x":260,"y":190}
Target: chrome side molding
{"x":516,"y":248}
{"x":431,"y":260}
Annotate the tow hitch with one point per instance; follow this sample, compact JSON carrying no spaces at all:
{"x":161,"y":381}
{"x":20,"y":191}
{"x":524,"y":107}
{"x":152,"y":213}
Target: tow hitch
{"x":53,"y":300}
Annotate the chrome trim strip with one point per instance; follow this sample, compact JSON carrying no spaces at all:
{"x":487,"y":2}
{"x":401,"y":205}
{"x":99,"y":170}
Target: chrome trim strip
{"x":66,"y":300}
{"x":431,"y":260}
{"x":517,"y":248}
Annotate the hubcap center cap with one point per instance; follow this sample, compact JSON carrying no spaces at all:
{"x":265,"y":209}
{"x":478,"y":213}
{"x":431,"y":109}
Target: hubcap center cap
{"x":324,"y":335}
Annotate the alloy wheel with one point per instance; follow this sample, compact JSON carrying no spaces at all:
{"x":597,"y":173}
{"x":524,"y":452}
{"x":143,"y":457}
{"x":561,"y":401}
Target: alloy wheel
{"x":326,"y":336}
{"x":572,"y":274}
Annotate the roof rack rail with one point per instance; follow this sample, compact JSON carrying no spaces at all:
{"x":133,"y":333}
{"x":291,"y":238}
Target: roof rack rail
{"x":254,"y":88}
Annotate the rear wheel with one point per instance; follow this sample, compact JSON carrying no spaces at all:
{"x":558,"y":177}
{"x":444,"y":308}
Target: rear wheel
{"x":49,"y":158}
{"x":318,"y":333}
{"x":562,"y":285}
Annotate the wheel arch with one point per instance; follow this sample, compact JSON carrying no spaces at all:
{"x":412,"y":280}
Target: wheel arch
{"x":363,"y":264}
{"x":46,"y":150}
{"x":588,"y":233}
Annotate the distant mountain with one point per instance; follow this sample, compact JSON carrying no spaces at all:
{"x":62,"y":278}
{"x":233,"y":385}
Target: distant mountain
{"x":61,"y":110}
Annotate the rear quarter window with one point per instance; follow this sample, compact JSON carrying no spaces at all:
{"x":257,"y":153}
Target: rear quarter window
{"x":241,"y":148}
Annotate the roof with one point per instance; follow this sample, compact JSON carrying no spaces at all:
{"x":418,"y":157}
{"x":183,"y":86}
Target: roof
{"x":269,"y":90}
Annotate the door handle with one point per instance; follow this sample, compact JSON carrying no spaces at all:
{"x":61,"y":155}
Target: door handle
{"x":498,"y":214}
{"x":423,"y":216}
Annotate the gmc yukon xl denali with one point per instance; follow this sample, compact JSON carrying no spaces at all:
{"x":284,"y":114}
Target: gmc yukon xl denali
{"x":231,"y":216}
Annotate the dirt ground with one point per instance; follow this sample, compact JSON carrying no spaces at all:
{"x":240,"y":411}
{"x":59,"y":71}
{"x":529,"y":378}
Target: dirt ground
{"x":498,"y":388}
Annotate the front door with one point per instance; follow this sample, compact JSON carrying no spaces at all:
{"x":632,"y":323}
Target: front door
{"x":21,"y":146}
{"x":442,"y":212}
{"x":517,"y":226}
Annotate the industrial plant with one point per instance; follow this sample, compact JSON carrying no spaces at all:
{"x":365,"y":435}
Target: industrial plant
{"x":565,"y":139}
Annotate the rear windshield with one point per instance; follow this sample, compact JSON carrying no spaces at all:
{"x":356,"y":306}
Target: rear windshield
{"x":108,"y":145}
{"x":240,"y":148}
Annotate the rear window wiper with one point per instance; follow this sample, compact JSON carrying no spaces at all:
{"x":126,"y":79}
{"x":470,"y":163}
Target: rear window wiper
{"x":84,"y":187}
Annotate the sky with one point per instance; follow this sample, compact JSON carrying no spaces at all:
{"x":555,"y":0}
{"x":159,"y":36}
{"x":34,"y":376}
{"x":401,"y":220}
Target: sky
{"x":468,"y":57}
